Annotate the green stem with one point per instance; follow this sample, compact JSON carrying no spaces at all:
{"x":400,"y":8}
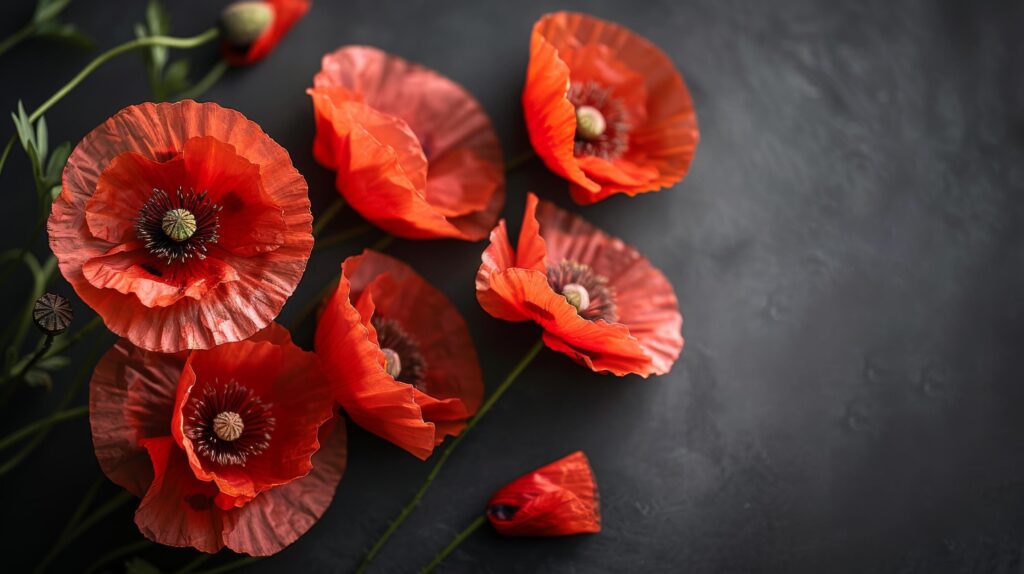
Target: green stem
{"x":233,"y":565}
{"x":205,"y":83}
{"x":480,"y":520}
{"x":65,"y":344}
{"x":34,"y":358}
{"x":484,"y":408}
{"x":199,"y":561}
{"x":328,"y":215}
{"x":118,"y":553}
{"x":62,"y":344}
{"x":7,"y":152}
{"x":519,"y":161}
{"x":342,"y":237}
{"x":78,"y":525}
{"x":17,"y":37}
{"x":42,"y":423}
{"x":167,"y":41}
{"x":312,"y":304}
{"x":83,"y":374}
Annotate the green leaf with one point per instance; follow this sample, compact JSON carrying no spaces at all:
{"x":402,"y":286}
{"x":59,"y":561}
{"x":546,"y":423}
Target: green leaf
{"x":137,"y":565}
{"x":68,"y":33}
{"x":48,"y":9}
{"x":176,"y":76}
{"x":38,"y":378}
{"x":25,"y":132}
{"x":53,"y":363}
{"x":58,"y":158}
{"x":42,"y":139}
{"x":156,"y":17}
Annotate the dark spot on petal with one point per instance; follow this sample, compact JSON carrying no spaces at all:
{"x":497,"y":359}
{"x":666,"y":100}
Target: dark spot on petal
{"x":152,"y":270}
{"x":503,"y":511}
{"x":539,"y":311}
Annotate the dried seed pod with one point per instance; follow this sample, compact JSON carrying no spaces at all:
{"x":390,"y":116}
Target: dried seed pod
{"x":52,"y":313}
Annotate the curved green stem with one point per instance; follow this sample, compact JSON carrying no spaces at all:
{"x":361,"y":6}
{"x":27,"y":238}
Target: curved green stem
{"x":42,"y":423}
{"x":484,"y":408}
{"x":79,"y":525}
{"x":233,"y":565}
{"x":519,"y":161}
{"x":480,"y":520}
{"x":341,"y":237}
{"x":17,"y":37}
{"x":328,"y":214}
{"x":204,"y":83}
{"x":121,"y":552}
{"x":135,"y":44}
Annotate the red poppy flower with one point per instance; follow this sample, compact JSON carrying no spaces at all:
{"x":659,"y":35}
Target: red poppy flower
{"x":252,"y":28}
{"x":554,"y":500}
{"x":605,"y":108}
{"x":227,"y":447}
{"x":415,"y":154}
{"x":398,"y":354}
{"x":598,"y":300}
{"x":183,"y":225}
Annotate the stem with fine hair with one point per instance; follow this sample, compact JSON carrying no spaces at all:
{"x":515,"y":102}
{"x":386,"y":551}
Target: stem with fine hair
{"x":484,"y":408}
{"x":42,"y":423}
{"x":480,"y":520}
{"x":135,"y":44}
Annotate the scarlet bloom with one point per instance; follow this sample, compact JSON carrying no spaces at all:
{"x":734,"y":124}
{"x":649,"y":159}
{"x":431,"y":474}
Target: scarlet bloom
{"x":232,"y":446}
{"x":252,"y":28}
{"x":598,"y":300}
{"x":398,"y":354}
{"x":415,"y":153}
{"x":555,"y":500}
{"x":183,"y":225}
{"x":605,"y":108}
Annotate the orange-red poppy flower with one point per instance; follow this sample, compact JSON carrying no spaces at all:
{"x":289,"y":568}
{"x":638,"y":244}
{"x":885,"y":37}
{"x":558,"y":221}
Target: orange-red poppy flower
{"x":415,"y":153}
{"x":555,"y":500}
{"x":598,"y":300}
{"x":398,"y":354}
{"x":231,"y":446}
{"x":252,"y":28}
{"x":605,"y":108}
{"x":183,"y":225}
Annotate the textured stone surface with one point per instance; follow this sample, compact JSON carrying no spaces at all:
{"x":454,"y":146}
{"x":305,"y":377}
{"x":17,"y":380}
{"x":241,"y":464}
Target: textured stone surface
{"x":847,"y":249}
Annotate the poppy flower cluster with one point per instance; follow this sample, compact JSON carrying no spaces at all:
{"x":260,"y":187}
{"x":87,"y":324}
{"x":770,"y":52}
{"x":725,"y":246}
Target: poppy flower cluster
{"x":186,"y":228}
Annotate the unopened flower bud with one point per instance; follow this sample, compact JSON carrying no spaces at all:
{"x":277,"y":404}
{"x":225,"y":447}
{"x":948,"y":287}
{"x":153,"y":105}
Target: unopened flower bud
{"x":244,"y":22}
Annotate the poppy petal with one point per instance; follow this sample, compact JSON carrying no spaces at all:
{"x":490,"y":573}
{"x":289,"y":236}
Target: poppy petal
{"x":443,"y":125}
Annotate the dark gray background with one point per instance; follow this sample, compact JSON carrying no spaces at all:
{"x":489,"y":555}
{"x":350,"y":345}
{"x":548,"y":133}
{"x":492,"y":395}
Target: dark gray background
{"x":847,"y":251}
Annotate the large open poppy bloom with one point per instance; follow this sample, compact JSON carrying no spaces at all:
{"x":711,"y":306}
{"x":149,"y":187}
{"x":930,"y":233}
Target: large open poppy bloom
{"x":605,"y":108}
{"x":398,"y":354}
{"x":252,"y":28}
{"x":232,"y":446}
{"x":558,"y":499}
{"x":183,"y":225}
{"x":598,"y":300}
{"x":415,"y":153}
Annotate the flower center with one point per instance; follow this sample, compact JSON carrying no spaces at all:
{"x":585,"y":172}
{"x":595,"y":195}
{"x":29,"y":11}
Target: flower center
{"x":584,"y":289}
{"x":602,"y":123}
{"x":577,"y":296}
{"x":178,"y":227}
{"x":179,"y":224}
{"x":392,"y":362}
{"x":590,"y":123}
{"x":402,"y":357}
{"x":228,"y":424}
